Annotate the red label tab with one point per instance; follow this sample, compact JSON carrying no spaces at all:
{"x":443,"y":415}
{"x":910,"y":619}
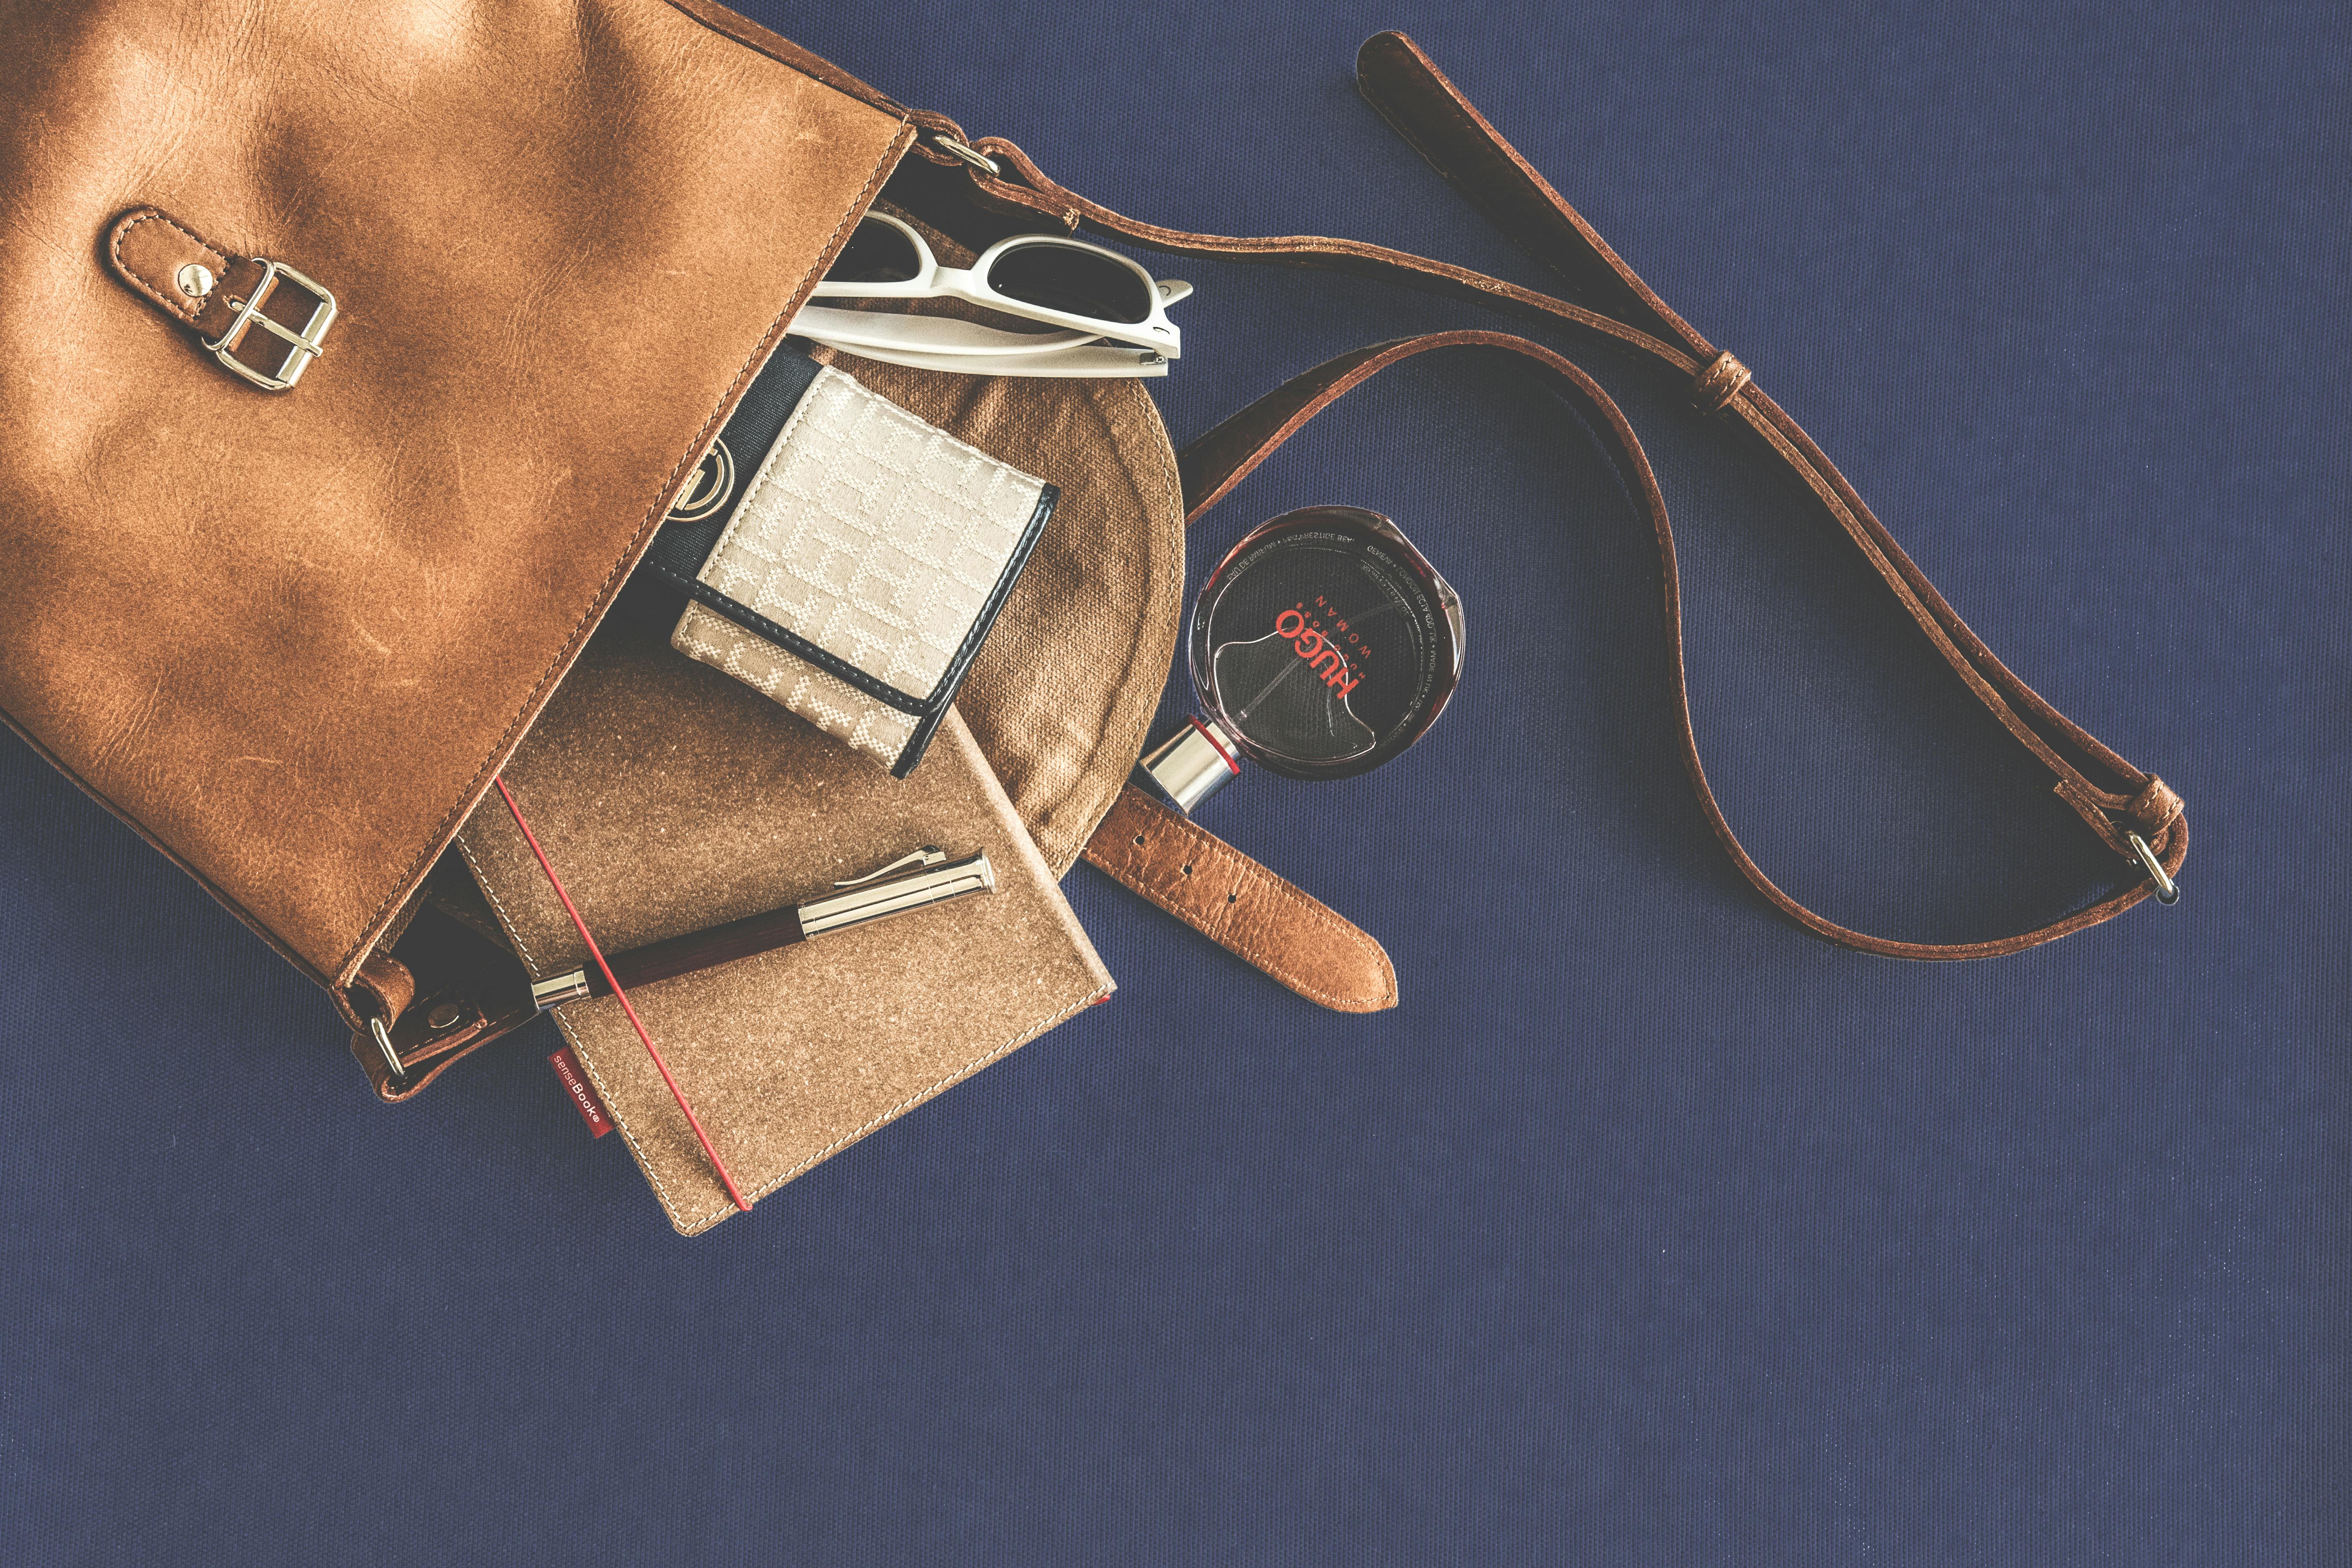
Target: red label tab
{"x":582,"y":1092}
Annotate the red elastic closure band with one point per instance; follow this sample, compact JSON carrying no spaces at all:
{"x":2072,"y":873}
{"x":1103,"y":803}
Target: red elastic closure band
{"x":621,"y":996}
{"x":1210,"y":736}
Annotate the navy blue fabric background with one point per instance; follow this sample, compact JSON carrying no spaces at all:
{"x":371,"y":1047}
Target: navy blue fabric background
{"x":1648,"y":1230}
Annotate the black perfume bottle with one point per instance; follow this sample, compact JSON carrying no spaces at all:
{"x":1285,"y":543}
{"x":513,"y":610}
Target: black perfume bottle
{"x":1324,"y":645}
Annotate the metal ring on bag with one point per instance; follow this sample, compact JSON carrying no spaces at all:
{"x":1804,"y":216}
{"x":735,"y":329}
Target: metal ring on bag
{"x":977,"y":158}
{"x":384,"y":1043}
{"x":2167,"y":891}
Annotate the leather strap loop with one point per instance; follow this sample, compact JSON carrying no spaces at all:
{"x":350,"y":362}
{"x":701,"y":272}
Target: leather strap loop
{"x":2155,"y":808}
{"x":179,"y":271}
{"x":386,"y":982}
{"x":1724,"y":379}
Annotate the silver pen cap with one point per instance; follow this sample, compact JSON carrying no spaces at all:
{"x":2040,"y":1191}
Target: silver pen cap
{"x":925,"y":877}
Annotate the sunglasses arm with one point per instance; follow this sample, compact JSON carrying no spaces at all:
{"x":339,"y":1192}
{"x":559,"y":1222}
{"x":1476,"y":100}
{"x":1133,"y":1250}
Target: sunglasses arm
{"x":925,"y":334}
{"x":1100,"y":361}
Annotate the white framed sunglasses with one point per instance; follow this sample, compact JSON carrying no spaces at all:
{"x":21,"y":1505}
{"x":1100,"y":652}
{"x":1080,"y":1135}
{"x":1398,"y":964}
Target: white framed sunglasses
{"x":1043,"y":277}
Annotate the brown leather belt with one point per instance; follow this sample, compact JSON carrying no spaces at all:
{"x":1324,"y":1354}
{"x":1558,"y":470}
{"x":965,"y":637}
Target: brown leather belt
{"x":1168,"y":859}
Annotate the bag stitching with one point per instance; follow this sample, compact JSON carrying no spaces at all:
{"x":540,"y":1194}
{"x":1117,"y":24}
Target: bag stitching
{"x":879,"y":101}
{"x":514,"y":932}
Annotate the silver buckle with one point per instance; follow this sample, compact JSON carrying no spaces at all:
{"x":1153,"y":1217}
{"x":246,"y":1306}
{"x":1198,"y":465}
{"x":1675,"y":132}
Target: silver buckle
{"x":305,"y":343}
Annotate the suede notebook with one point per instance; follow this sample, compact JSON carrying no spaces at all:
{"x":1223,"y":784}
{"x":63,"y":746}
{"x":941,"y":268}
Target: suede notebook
{"x":671,"y":798}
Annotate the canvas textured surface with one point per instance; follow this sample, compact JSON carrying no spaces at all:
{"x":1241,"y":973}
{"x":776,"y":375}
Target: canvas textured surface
{"x":1647,"y":1230}
{"x":1061,"y":692}
{"x":672,"y":801}
{"x":876,"y":536}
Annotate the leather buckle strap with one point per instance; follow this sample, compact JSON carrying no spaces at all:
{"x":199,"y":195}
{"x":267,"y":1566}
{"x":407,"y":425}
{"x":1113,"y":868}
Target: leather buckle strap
{"x":224,"y":296}
{"x":1235,"y":902}
{"x":2148,"y":828}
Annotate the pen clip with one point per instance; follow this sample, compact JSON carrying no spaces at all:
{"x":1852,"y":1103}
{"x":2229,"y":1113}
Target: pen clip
{"x":928,"y":854}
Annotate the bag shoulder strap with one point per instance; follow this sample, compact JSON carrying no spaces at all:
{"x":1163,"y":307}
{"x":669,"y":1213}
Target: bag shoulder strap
{"x":1219,"y":459}
{"x":2132,"y":812}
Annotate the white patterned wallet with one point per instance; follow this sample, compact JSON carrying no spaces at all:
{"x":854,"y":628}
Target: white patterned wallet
{"x":845,"y":558}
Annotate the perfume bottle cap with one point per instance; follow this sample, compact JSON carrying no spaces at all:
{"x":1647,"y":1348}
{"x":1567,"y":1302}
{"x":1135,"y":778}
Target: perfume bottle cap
{"x":1190,"y":765}
{"x":1325,"y":644}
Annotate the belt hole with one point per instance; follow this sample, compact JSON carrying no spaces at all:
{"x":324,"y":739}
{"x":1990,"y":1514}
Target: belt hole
{"x":1188,"y":868}
{"x":1232,"y":897}
{"x":1139,"y":839}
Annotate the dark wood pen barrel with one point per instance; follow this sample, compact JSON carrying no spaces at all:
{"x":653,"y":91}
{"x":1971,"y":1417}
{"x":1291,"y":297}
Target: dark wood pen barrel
{"x":700,"y":950}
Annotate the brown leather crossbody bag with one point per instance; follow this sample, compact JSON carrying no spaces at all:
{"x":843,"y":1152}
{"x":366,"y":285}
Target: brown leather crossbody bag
{"x":349,"y":398}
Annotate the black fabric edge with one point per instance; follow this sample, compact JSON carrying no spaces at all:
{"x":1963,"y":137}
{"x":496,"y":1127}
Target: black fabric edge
{"x":799,"y":647}
{"x":920,"y":740}
{"x":681,"y":548}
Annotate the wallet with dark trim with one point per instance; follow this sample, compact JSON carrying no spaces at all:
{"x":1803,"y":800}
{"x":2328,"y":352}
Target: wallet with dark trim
{"x":845,"y":558}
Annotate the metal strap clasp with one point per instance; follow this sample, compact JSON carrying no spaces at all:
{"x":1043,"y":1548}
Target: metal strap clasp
{"x":302,"y":347}
{"x":973,"y":156}
{"x":384,"y":1043}
{"x":2167,"y":891}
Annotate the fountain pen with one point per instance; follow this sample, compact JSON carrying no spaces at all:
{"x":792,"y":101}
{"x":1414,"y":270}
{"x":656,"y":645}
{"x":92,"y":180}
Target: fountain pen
{"x":925,"y":877}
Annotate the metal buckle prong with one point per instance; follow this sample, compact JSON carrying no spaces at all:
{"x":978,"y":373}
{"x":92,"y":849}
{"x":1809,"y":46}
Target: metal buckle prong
{"x":305,"y":345}
{"x":2167,"y":891}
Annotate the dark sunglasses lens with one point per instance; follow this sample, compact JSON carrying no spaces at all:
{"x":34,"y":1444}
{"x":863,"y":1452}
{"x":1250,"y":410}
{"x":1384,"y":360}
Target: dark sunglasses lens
{"x":1077,"y":282}
{"x":877,"y":253}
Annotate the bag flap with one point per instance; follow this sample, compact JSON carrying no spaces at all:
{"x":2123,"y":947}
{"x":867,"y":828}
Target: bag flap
{"x":291,"y":636}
